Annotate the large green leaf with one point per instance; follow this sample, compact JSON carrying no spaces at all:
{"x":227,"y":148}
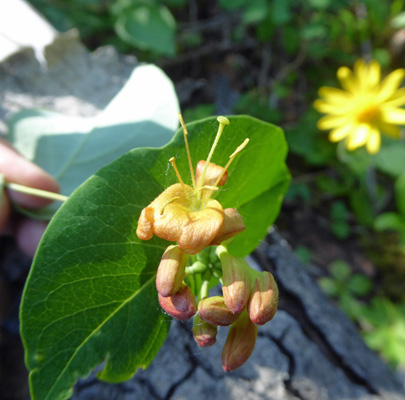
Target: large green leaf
{"x":72,"y":149}
{"x":90,"y":296}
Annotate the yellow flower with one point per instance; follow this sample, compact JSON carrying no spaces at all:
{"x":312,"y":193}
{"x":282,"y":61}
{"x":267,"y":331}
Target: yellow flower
{"x":188,"y":215}
{"x":365,"y":108}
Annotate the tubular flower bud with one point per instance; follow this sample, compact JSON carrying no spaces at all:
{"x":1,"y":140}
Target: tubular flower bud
{"x":181,"y":305}
{"x":205,"y":334}
{"x":264,"y":299}
{"x":214,"y":311}
{"x":171,"y":271}
{"x":239,"y":344}
{"x":236,"y":282}
{"x":232,"y":225}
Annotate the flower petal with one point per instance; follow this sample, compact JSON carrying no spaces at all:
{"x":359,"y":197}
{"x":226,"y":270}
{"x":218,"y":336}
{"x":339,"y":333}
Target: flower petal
{"x":397,"y":99}
{"x":390,"y":84}
{"x":374,"y":73}
{"x":358,"y":137}
{"x":340,"y":133}
{"x":169,"y":223}
{"x":201,"y":228}
{"x":374,"y":141}
{"x":393,"y":115}
{"x":348,"y":80}
{"x":332,"y":121}
{"x":334,"y":96}
{"x":389,"y":129}
{"x":328,"y":108}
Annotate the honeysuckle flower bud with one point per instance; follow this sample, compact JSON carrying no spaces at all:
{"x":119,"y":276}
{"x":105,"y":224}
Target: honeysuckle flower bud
{"x":263,"y":301}
{"x":212,"y":173}
{"x":214,"y":311}
{"x":239,"y":344}
{"x":181,"y":305}
{"x":232,"y":225}
{"x":205,"y":334}
{"x":171,"y":271}
{"x":236,"y":281}
{"x":188,"y":215}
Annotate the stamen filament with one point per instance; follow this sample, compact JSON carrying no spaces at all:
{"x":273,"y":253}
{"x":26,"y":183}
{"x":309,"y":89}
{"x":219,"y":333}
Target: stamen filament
{"x":222,"y":122}
{"x":231,"y":158}
{"x":173,"y":161}
{"x":208,"y":187}
{"x":190,"y":163}
{"x":162,"y":210}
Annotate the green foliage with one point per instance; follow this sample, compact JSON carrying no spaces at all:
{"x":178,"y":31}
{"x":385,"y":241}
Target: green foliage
{"x":148,"y":27}
{"x":72,"y":149}
{"x":346,"y":287}
{"x":383,"y":324}
{"x":90,"y":296}
{"x":339,"y":217}
{"x":391,"y":220}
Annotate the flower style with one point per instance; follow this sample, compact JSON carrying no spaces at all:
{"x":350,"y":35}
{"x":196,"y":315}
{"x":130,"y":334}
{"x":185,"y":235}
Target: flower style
{"x":188,"y":215}
{"x":365,"y":108}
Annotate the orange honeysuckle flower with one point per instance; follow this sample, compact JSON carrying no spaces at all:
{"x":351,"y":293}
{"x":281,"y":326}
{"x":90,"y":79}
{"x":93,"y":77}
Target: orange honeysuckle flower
{"x":188,"y":214}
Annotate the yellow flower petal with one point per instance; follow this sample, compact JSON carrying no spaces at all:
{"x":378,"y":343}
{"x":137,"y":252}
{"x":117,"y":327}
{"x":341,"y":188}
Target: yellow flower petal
{"x":361,"y":73}
{"x":328,"y":108}
{"x":393,"y":115}
{"x":340,"y":133}
{"x":358,"y":137}
{"x":348,"y":80}
{"x":374,"y":141}
{"x":390,"y":130}
{"x":334,"y":96}
{"x":397,"y":99}
{"x":390,"y":84}
{"x":374,"y":73}
{"x":332,"y":121}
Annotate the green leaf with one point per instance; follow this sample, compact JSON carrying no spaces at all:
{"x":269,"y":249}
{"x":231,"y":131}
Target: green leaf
{"x":148,"y":26}
{"x":400,"y":194}
{"x":72,"y":149}
{"x":359,"y":285}
{"x":90,"y":295}
{"x":390,"y":159}
{"x":329,"y":286}
{"x":389,"y":220}
{"x":340,"y":270}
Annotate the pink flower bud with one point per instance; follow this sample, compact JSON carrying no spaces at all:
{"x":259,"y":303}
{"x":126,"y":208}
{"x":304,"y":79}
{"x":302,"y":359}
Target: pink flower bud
{"x":236,"y":282}
{"x":239,"y":344}
{"x":171,"y":271}
{"x":264,"y":299}
{"x":181,"y":305}
{"x":214,"y":311}
{"x":205,"y":334}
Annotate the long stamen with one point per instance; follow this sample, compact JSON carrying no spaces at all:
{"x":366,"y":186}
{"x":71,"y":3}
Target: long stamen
{"x":222,"y":122}
{"x":185,"y":132}
{"x":173,"y":161}
{"x":231,"y":158}
{"x":207,"y":187}
{"x":162,"y":209}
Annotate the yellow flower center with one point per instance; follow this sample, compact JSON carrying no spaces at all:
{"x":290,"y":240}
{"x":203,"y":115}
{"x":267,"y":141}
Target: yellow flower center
{"x":368,"y":114}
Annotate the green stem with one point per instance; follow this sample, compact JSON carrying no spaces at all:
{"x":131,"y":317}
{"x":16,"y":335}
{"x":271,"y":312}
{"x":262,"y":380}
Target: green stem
{"x":204,"y":290}
{"x":36,"y":192}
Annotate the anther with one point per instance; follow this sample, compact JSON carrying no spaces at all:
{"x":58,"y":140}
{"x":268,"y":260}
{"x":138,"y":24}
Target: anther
{"x":173,"y":161}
